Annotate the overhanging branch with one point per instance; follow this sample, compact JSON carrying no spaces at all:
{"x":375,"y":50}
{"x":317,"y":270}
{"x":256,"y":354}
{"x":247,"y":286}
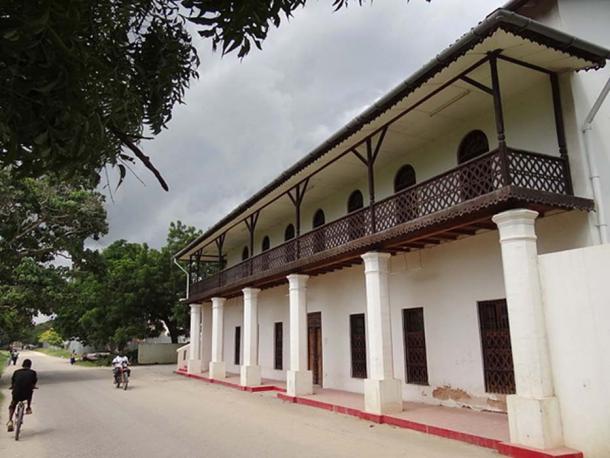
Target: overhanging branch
{"x":127,"y":141}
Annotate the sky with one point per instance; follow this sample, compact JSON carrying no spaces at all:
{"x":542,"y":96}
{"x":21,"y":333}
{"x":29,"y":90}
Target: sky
{"x":246,"y":121}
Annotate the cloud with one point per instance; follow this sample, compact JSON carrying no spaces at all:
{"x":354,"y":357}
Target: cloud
{"x":245,"y":121}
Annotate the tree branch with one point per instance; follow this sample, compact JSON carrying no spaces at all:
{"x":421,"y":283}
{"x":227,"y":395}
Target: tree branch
{"x":140,"y":155}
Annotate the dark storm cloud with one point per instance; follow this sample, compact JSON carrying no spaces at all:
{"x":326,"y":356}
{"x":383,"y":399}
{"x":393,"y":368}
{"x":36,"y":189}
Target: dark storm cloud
{"x":246,"y":121}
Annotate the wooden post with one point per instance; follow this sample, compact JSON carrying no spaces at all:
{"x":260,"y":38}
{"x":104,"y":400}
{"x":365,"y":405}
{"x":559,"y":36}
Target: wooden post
{"x":296,"y":195}
{"x":219,"y":244}
{"x":251,"y":225}
{"x":560,"y":129}
{"x":499,"y":114}
{"x":369,"y":161}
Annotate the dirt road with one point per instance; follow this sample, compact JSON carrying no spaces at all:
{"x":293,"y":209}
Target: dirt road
{"x":78,"y":413}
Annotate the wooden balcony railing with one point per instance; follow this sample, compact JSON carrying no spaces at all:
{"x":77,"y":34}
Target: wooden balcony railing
{"x":472,"y":179}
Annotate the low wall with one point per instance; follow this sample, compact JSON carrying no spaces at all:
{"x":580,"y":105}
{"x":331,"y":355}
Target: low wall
{"x":157,"y":353}
{"x":576,"y":291}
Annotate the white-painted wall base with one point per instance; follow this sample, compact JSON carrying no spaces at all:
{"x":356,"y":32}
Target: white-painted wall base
{"x":250,"y":375}
{"x":535,"y":422}
{"x":217,"y":370}
{"x":382,"y":396}
{"x":299,"y":383}
{"x":194,"y":366}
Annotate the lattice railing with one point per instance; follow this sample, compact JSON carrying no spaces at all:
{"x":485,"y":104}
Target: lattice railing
{"x":205,"y":284}
{"x":337,"y":233}
{"x":538,"y":172}
{"x":470,"y":180}
{"x":275,"y":257}
{"x":235,"y":273}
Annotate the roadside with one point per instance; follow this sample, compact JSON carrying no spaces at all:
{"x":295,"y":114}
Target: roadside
{"x":4,"y":357}
{"x":58,"y":352}
{"x":66,"y":354}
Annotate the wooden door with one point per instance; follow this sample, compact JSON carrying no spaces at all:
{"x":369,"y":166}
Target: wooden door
{"x":495,"y":342}
{"x":314,"y":346}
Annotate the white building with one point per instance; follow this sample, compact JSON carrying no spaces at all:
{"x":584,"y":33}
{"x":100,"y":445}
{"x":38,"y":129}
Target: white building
{"x":400,"y":259}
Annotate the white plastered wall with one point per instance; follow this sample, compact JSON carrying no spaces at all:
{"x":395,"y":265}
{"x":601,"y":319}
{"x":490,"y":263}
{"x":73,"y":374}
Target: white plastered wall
{"x":447,"y":281}
{"x":576,"y":296}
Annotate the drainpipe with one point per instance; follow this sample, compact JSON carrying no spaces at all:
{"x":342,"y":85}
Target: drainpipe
{"x":602,"y":225}
{"x":187,"y":279}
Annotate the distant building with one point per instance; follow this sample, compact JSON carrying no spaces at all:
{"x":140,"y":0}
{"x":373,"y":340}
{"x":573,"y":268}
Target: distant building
{"x":399,"y":259}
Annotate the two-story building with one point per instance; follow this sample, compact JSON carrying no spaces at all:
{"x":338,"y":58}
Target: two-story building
{"x":398,"y":258}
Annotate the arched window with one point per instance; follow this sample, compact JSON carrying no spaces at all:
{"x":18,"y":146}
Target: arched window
{"x":266,"y":243}
{"x":318,"y":218}
{"x":355,"y":201}
{"x":474,"y":144}
{"x":289,"y":233}
{"x":245,"y":253}
{"x":405,"y":177}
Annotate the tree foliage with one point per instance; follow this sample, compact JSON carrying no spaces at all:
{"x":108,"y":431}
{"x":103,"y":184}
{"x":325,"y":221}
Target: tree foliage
{"x":83,"y":81}
{"x":127,"y":291}
{"x":39,"y":221}
{"x":51,"y":337}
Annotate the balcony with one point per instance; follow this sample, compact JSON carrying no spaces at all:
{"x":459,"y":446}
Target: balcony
{"x":455,"y":203}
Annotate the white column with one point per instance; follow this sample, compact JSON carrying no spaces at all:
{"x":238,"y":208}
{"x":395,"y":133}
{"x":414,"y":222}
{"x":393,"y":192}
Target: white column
{"x":217,"y":365}
{"x":206,"y":335}
{"x":194,"y":362}
{"x":382,"y":392}
{"x":299,"y":380}
{"x":250,"y":370}
{"x":533,"y":413}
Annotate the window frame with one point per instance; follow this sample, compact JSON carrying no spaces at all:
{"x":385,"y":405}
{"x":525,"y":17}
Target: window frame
{"x":278,"y":346}
{"x":361,"y":361}
{"x":411,"y":376}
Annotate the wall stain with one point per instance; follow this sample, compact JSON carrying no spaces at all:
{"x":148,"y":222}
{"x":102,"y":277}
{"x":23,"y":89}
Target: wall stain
{"x":446,"y":392}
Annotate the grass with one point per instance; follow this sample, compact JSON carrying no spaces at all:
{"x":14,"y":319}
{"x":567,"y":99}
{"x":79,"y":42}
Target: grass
{"x":61,"y":353}
{"x":58,"y":352}
{"x":4,"y":356}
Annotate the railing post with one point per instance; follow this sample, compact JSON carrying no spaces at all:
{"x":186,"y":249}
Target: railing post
{"x":499,"y":114}
{"x":560,"y":129}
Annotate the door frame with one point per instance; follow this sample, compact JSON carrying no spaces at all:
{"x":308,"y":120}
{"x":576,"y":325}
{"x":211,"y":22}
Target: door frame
{"x":314,"y":322}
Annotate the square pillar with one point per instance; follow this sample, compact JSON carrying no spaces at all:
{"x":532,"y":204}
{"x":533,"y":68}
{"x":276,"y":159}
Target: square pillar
{"x":382,"y":392}
{"x":250,"y":370}
{"x":217,"y":365}
{"x":206,"y":335}
{"x":194,"y":361}
{"x":533,"y":412}
{"x":299,"y":380}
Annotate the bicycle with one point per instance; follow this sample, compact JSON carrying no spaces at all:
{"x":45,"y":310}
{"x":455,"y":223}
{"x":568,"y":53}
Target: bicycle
{"x":122,"y":378}
{"x":19,"y":414}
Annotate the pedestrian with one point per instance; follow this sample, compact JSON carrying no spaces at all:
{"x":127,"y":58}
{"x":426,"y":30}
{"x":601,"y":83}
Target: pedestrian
{"x":73,"y":357}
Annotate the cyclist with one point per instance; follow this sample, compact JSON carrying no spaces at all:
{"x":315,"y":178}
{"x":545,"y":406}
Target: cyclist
{"x":22,"y":385}
{"x":119,"y":363}
{"x":14,"y":356}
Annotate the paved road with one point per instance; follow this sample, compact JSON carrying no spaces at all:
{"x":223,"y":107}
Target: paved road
{"x":78,"y":413}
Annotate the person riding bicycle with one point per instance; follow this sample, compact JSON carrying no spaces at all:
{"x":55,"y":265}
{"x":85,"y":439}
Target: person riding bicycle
{"x":120,"y":363}
{"x":22,"y":385}
{"x":14,"y":356}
